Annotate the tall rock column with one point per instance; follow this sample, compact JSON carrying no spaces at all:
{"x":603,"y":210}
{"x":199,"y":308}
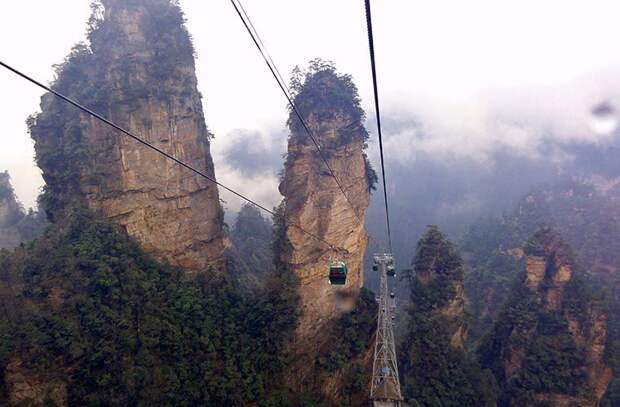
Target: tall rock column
{"x":547,"y":346}
{"x":139,"y":72}
{"x":432,"y":353}
{"x":329,"y":104}
{"x":439,"y":271}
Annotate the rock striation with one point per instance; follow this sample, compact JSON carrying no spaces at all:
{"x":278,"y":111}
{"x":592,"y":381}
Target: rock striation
{"x":139,"y":72}
{"x":329,"y":104}
{"x":551,"y":331}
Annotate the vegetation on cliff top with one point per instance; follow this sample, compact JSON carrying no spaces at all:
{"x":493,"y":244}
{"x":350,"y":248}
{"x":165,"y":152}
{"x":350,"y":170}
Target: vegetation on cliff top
{"x":587,"y":218}
{"x":320,"y":94}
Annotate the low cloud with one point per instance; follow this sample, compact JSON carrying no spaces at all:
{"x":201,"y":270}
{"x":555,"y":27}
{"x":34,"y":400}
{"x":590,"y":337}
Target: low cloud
{"x":533,"y":122}
{"x":249,"y":161}
{"x":252,"y":152}
{"x":261,"y":188}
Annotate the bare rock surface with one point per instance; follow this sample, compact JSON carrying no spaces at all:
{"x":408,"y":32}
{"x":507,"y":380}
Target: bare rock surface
{"x":314,"y":201}
{"x":140,"y":74}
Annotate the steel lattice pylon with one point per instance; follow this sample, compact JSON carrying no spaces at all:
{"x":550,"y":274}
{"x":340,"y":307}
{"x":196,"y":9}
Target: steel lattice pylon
{"x":385,"y":384}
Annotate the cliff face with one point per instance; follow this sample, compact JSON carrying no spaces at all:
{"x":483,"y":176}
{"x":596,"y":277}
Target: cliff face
{"x":330,"y":106}
{"x":314,"y":201}
{"x":551,"y":331}
{"x":139,"y":73}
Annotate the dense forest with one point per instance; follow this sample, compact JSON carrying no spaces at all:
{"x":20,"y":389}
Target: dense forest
{"x":585,"y":214}
{"x":90,"y":312}
{"x":522,"y":311}
{"x":552,"y":341}
{"x":552,"y":329}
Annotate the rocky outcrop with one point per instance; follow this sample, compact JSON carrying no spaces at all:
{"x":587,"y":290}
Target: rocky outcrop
{"x":552,"y":330}
{"x":10,"y":214}
{"x":439,"y":268}
{"x":313,"y":200}
{"x":27,"y":387}
{"x":455,"y":310}
{"x":138,"y":72}
{"x":586,"y":212}
{"x":432,"y":355}
{"x":250,"y":256}
{"x":549,"y":266}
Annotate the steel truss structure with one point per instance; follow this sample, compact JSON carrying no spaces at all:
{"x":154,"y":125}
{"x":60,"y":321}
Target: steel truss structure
{"x":385,"y":384}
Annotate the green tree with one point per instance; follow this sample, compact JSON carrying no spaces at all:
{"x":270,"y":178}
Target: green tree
{"x":550,"y":360}
{"x":434,"y":371}
{"x":322,"y":93}
{"x":95,"y":312}
{"x":250,"y":259}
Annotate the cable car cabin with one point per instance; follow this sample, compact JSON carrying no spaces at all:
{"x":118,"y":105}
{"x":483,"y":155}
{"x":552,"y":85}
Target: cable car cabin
{"x":392,"y":294}
{"x":375,"y":267}
{"x":390,"y":271}
{"x":338,"y":273}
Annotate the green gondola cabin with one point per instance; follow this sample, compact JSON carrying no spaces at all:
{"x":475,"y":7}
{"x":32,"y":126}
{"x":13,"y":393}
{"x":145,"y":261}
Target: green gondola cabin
{"x":338,"y":273}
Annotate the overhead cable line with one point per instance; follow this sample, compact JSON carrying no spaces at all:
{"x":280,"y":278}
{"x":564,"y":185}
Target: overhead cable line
{"x":274,"y":71}
{"x":264,"y":48}
{"x":158,"y":150}
{"x":371,"y":47}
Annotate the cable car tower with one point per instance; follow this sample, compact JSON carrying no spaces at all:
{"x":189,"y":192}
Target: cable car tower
{"x":385,"y":384}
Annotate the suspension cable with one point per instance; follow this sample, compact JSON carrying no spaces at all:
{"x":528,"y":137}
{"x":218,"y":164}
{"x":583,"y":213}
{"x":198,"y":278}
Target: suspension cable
{"x":282,"y":85}
{"x":158,"y":150}
{"x":371,"y":47}
{"x":264,"y":48}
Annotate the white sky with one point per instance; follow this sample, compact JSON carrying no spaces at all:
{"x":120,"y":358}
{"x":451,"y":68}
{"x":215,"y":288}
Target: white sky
{"x":455,"y":65}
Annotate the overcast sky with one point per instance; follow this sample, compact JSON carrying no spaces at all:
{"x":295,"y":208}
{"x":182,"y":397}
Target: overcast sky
{"x":476,"y":75}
